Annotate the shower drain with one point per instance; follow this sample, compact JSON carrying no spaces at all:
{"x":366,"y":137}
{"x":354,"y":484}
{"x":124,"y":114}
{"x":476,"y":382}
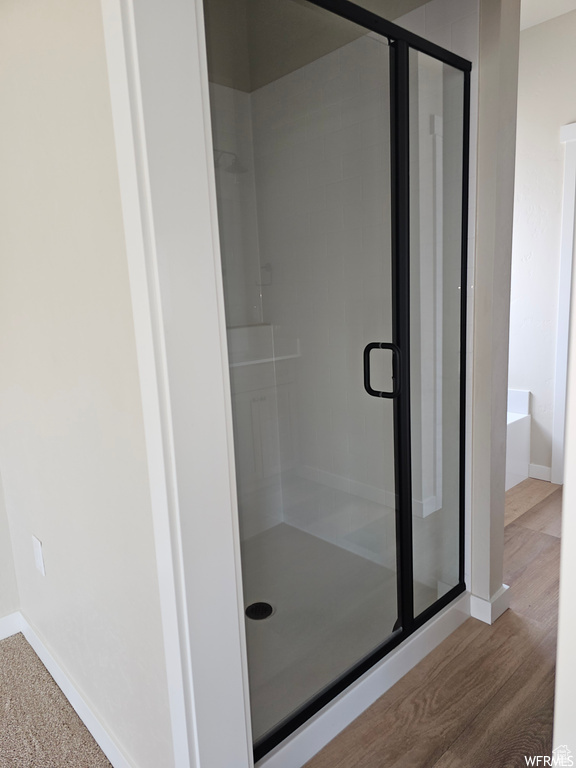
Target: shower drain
{"x":258,"y":611}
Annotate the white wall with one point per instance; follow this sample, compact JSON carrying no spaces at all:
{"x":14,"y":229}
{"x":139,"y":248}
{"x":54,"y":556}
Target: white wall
{"x":322,"y":181}
{"x":565,"y":701}
{"x":72,"y":451}
{"x":545,"y":104}
{"x":9,"y":601}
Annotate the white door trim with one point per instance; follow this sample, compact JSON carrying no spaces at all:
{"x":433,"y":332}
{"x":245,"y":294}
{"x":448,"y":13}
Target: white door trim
{"x":567,"y":137}
{"x":138,"y":231}
{"x":157,"y":74}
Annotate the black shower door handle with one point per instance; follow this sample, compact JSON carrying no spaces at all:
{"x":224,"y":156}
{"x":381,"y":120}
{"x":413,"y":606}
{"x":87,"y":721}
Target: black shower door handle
{"x":395,"y":369}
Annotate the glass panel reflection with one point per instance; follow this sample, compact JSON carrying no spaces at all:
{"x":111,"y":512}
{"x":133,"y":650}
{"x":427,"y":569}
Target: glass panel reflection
{"x":436,"y":146}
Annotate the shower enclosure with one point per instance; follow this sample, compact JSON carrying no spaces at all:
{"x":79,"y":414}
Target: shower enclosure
{"x":340,"y":153}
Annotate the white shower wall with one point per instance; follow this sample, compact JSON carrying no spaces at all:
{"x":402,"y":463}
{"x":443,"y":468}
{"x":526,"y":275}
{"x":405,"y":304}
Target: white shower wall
{"x":233,"y":149}
{"x":322,"y":184}
{"x":254,"y":384}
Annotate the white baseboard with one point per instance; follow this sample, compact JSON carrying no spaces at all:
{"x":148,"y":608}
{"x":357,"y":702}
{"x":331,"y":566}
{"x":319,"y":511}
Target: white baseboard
{"x":424,"y":508}
{"x":11,"y":625}
{"x":539,"y":472}
{"x":490,"y":610}
{"x":14,"y":623}
{"x":304,"y":743}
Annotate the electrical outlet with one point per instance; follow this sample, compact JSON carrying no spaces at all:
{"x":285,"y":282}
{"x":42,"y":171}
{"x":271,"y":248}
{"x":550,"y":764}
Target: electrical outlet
{"x":38,"y":556}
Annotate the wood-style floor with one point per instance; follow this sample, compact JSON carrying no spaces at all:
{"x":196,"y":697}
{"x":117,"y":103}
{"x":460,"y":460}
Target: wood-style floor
{"x":484,"y":697}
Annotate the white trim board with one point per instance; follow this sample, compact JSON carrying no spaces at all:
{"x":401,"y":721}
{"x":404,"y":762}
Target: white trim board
{"x":126,"y":103}
{"x":540,"y":472}
{"x":304,"y":743}
{"x":567,"y":137}
{"x":11,"y":625}
{"x":519,"y":401}
{"x":166,"y":174}
{"x":14,"y":623}
{"x":490,"y":610}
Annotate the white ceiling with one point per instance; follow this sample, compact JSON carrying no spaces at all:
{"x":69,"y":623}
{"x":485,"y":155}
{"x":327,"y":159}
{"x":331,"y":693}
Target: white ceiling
{"x":536,"y":11}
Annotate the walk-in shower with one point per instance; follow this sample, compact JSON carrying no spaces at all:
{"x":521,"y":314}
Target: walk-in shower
{"x":340,"y":155}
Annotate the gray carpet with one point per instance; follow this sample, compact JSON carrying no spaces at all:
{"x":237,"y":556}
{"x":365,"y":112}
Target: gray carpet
{"x":38,"y":727}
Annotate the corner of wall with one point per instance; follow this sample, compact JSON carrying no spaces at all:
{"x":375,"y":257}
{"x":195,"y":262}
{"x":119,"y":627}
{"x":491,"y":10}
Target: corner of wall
{"x":9,"y":597}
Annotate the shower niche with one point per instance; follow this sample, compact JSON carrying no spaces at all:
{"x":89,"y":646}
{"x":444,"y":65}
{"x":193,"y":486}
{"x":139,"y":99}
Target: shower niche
{"x":340,"y":158}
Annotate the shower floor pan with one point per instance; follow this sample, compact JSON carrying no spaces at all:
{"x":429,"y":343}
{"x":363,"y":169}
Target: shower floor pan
{"x":330,"y":607}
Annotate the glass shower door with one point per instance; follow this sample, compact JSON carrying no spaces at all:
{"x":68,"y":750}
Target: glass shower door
{"x":301,"y":129}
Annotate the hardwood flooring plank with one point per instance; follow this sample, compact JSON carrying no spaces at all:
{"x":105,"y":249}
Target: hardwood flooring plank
{"x":437,"y":709}
{"x":522,"y":547}
{"x":516,"y":723}
{"x":524,"y":495}
{"x":534,"y":586}
{"x":342,"y":750}
{"x":468,"y":694}
{"x":546,"y":516}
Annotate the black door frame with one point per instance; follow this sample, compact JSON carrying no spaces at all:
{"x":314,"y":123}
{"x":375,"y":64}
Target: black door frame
{"x":400,"y":42}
